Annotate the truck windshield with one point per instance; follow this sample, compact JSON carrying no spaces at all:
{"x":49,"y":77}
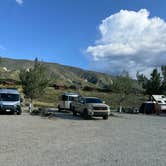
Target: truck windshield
{"x":9,"y":97}
{"x":93,"y":100}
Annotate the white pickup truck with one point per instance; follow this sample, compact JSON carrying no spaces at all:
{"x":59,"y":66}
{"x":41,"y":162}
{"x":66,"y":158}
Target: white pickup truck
{"x":88,"y":107}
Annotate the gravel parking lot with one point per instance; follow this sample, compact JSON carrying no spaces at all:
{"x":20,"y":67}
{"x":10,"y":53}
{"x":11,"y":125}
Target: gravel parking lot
{"x":123,"y":140}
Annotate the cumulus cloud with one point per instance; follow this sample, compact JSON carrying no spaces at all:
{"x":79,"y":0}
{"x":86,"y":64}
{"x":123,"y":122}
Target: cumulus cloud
{"x":20,"y":2}
{"x":131,"y":41}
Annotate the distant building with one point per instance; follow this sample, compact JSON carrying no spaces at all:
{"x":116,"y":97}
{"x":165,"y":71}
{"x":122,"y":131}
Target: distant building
{"x":9,"y":82}
{"x":61,"y":87}
{"x":5,"y":69}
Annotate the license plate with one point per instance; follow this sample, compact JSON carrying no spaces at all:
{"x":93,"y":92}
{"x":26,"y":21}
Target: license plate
{"x":8,"y":110}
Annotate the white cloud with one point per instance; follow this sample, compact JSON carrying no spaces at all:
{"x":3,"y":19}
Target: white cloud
{"x":20,"y":2}
{"x":130,"y":41}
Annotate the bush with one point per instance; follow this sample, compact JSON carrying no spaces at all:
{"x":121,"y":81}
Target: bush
{"x":88,"y":88}
{"x":72,"y":87}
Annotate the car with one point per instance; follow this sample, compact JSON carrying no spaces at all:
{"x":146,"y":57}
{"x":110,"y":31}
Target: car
{"x":66,"y":100}
{"x":10,"y":101}
{"x":89,"y":107}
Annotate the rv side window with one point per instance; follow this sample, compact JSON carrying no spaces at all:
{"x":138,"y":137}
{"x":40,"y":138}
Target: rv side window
{"x":71,"y":98}
{"x":64,"y":98}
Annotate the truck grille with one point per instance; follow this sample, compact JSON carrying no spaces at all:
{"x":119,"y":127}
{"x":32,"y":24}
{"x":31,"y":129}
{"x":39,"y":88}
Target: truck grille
{"x":100,"y":113}
{"x":7,"y":106}
{"x":100,"y":108}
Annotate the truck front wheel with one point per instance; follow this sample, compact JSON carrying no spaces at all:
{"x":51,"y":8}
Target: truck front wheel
{"x":85,"y":114}
{"x":19,"y":111}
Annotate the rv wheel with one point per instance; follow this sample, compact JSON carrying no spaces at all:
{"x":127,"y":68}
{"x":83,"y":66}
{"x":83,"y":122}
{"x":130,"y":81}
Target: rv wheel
{"x":74,"y":112}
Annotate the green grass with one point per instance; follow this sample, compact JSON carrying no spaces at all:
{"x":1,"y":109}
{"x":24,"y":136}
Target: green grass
{"x":51,"y":98}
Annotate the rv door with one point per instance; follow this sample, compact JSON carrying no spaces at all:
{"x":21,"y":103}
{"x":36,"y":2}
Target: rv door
{"x":64,"y":101}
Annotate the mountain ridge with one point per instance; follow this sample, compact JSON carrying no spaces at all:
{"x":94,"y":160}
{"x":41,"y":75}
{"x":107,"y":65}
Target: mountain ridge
{"x":61,"y":74}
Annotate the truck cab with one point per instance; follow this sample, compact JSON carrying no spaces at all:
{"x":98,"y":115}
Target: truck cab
{"x":10,"y":101}
{"x":66,"y":100}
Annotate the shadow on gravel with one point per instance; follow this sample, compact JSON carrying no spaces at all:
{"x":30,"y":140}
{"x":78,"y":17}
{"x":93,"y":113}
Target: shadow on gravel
{"x":55,"y":114}
{"x":6,"y":113}
{"x":118,"y":115}
{"x":160,"y":115}
{"x":69,"y":116}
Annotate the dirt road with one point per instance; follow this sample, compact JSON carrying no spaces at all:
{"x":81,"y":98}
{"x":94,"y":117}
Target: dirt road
{"x":123,"y":140}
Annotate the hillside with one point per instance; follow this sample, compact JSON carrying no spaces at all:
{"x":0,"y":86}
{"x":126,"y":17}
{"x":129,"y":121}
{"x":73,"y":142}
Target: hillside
{"x":60,"y":74}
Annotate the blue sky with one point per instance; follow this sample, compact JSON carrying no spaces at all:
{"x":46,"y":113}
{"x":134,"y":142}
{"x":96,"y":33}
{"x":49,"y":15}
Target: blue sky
{"x":62,"y":30}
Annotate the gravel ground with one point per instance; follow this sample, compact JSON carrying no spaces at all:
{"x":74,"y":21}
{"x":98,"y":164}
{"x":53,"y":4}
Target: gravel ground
{"x":123,"y":140}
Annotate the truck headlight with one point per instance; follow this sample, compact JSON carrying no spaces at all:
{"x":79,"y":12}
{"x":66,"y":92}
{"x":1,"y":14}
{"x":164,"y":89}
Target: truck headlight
{"x":90,"y":108}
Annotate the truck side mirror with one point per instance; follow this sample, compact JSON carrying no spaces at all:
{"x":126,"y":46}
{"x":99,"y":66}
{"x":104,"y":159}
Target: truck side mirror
{"x":103,"y":102}
{"x":82,"y":101}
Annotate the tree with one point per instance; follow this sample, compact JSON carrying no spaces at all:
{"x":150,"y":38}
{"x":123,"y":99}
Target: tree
{"x":163,"y":69}
{"x":34,"y":81}
{"x":123,"y":85}
{"x":154,"y":84}
{"x":142,"y":80}
{"x":163,"y":84}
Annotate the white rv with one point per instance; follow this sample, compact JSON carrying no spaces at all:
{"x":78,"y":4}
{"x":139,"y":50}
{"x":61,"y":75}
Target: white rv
{"x":65,"y":101}
{"x":161,"y":100}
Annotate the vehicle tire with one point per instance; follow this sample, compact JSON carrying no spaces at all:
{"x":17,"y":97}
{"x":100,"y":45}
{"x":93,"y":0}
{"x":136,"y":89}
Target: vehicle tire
{"x":19,"y":111}
{"x":105,"y":117}
{"x":59,"y":108}
{"x":85,"y":114}
{"x":74,"y":112}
